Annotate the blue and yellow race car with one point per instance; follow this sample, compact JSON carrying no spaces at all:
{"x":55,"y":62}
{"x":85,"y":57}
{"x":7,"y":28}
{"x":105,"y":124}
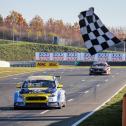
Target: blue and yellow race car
{"x":40,"y":91}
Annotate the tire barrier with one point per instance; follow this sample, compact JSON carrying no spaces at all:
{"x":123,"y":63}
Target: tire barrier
{"x":23,"y":63}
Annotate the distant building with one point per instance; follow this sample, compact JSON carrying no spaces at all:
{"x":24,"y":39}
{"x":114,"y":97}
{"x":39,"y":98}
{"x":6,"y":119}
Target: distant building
{"x":61,"y":41}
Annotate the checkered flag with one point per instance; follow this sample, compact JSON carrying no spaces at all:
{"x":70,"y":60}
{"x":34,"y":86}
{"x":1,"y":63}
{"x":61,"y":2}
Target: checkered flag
{"x":95,"y":35}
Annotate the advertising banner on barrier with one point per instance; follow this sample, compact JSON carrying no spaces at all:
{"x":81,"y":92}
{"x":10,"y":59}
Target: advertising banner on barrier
{"x":43,"y":56}
{"x":75,"y":56}
{"x":47,"y":64}
{"x":71,"y":56}
{"x":87,"y":57}
{"x":117,"y":57}
{"x":103,"y":57}
{"x":58,"y":56}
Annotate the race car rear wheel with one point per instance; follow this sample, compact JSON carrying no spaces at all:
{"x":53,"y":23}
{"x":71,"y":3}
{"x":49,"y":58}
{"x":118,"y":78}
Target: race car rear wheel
{"x":60,"y":105}
{"x":90,"y":73}
{"x":16,"y":107}
{"x":64,"y":104}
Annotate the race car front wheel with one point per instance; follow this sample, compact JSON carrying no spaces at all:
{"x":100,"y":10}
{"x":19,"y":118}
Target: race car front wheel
{"x":61,"y":104}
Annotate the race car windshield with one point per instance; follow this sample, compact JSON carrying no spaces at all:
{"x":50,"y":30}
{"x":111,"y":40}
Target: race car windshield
{"x":39,"y":84}
{"x":99,"y":64}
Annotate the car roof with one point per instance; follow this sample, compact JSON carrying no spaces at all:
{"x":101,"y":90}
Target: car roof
{"x":44,"y":77}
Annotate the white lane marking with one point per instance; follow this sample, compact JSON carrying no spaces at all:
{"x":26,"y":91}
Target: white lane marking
{"x":106,"y":80}
{"x":70,"y":100}
{"x":86,"y":92}
{"x":91,"y":113}
{"x":82,"y":80}
{"x":98,"y":85}
{"x":15,"y":78}
{"x":44,"y":112}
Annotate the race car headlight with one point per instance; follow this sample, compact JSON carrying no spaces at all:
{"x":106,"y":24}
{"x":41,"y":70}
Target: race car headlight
{"x":52,"y":95}
{"x":52,"y":98}
{"x":20,"y":98}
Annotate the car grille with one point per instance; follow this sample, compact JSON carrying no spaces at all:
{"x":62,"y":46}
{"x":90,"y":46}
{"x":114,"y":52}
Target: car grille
{"x":98,"y":70}
{"x":36,"y":98}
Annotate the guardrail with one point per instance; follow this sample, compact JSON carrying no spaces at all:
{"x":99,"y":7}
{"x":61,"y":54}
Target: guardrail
{"x":33,"y":63}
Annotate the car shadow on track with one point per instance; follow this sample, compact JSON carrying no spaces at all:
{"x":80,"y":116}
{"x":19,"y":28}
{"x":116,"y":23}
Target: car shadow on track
{"x":110,"y":115}
{"x":32,"y":108}
{"x":62,"y":120}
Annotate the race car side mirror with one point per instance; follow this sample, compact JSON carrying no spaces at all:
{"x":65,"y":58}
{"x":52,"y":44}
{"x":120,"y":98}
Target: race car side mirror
{"x":18,"y":85}
{"x":60,"y":85}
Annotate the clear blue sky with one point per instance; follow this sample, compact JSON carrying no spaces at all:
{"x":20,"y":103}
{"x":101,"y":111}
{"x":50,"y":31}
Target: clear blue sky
{"x":111,"y":12}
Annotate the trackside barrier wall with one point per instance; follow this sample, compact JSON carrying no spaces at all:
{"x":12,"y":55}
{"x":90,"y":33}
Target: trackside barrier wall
{"x":110,"y":63}
{"x":75,"y":56}
{"x":33,"y":64}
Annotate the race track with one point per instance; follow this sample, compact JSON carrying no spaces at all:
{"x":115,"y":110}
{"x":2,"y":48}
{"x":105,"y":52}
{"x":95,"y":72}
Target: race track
{"x":84,"y":93}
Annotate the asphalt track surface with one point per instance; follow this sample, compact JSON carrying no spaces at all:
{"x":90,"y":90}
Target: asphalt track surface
{"x":84,"y":93}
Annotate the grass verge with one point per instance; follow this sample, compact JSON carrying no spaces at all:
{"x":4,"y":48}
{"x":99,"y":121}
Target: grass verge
{"x":109,"y":115}
{"x":13,"y":70}
{"x":4,"y":72}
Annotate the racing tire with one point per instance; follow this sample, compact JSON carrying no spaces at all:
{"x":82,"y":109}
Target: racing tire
{"x":108,"y":73}
{"x":60,"y":105}
{"x":18,"y":108}
{"x":64,"y":104}
{"x":90,"y":73}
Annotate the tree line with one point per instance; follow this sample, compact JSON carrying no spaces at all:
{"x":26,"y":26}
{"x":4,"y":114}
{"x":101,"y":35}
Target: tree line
{"x":14,"y":27}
